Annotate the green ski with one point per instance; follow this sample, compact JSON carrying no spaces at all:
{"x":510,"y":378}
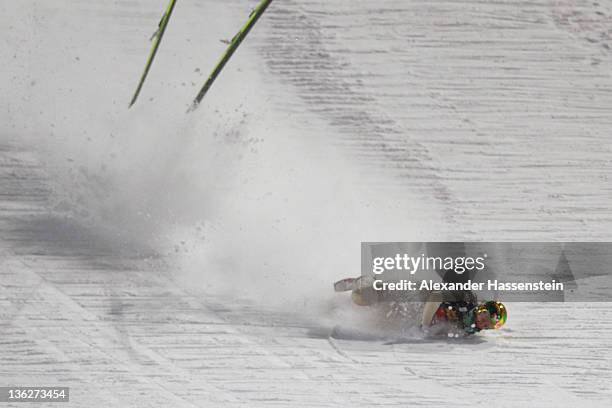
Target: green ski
{"x":157,"y":37}
{"x":233,"y":46}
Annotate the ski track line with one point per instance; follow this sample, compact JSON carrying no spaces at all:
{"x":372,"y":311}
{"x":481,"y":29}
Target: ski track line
{"x":334,"y":345}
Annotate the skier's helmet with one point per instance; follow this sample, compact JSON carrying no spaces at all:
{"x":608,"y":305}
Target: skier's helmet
{"x":497,"y":313}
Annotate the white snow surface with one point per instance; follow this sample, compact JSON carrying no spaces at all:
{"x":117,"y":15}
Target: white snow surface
{"x":150,"y":257}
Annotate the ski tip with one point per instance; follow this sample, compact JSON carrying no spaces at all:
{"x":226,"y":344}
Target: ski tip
{"x":193,"y":106}
{"x":345,"y":285}
{"x":133,"y":101}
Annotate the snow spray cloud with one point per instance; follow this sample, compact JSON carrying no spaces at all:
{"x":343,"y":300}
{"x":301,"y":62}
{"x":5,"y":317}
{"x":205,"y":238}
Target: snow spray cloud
{"x":245,"y":199}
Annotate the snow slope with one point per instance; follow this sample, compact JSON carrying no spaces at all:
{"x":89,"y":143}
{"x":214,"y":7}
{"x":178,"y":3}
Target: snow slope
{"x":154,"y":258}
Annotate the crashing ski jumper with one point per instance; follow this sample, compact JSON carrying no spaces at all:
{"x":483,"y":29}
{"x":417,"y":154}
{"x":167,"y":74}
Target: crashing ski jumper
{"x":455,"y":314}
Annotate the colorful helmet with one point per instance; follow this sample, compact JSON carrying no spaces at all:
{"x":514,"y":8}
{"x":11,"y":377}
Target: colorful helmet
{"x":497,"y":312}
